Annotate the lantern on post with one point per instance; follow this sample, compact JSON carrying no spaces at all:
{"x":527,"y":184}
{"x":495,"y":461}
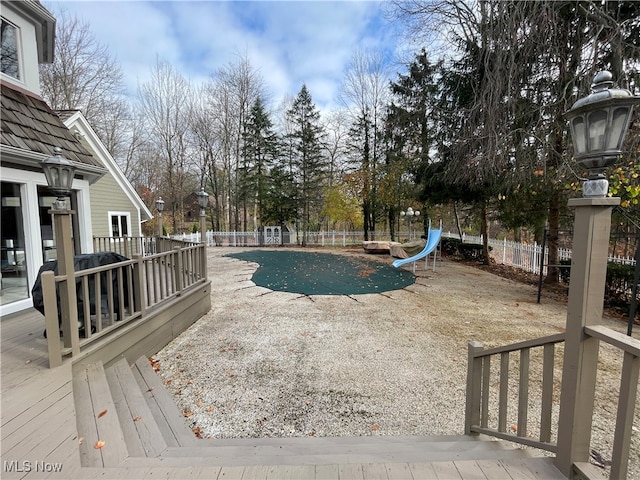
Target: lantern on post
{"x":159,"y":208}
{"x":59,"y":172}
{"x":599,"y":124}
{"x":203,"y":201}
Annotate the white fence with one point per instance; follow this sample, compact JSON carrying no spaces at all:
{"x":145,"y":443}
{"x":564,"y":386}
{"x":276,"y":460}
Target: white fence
{"x":518,"y":255}
{"x":331,"y":238}
{"x":525,"y":256}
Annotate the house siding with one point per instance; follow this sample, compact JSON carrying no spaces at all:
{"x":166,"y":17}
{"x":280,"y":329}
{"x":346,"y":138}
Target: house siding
{"x":107,"y":196}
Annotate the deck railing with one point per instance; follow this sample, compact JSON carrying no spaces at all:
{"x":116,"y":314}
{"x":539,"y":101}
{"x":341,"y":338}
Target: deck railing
{"x":130,"y":246}
{"x":481,"y":418}
{"x":122,"y":293}
{"x":488,"y":392}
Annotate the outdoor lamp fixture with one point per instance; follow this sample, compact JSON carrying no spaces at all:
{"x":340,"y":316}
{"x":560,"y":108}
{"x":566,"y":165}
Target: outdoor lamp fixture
{"x":160,"y":208}
{"x":59,"y":172}
{"x":160,"y":205}
{"x":203,"y":200}
{"x":599,"y":124}
{"x":410,"y":214}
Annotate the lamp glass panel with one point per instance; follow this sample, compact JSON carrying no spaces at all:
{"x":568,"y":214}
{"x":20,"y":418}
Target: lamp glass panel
{"x":618,"y":124}
{"x":66,"y":177}
{"x":597,"y":130}
{"x":579,"y":134}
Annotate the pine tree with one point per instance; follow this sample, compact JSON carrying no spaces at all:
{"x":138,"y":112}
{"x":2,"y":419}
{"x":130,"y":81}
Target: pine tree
{"x":309,"y":163}
{"x":260,"y":152}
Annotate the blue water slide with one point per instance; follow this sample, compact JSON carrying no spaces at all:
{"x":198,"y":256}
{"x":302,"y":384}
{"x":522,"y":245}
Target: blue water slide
{"x":432,"y":242}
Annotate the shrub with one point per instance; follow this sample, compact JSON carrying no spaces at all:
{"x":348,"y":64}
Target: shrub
{"x":472,"y":251}
{"x":618,"y":283}
{"x":565,"y":271}
{"x":450,"y":246}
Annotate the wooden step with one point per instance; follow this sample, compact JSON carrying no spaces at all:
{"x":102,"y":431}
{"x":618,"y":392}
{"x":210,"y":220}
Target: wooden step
{"x":345,"y":441}
{"x":170,"y":421}
{"x":99,"y":432}
{"x":309,"y":453}
{"x":141,"y":431}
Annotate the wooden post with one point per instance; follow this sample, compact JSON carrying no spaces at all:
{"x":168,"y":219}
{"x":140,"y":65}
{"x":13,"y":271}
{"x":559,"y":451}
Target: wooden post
{"x":139,"y":302}
{"x":178,"y":270}
{"x":68,"y":298}
{"x":586,"y":297}
{"x":51,"y":318}
{"x":203,"y":235}
{"x":474,"y":387}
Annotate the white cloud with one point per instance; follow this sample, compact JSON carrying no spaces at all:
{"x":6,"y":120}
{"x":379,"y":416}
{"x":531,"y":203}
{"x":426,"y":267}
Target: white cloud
{"x":289,"y":42}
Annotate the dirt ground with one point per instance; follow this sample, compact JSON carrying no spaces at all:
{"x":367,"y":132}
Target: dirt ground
{"x":265,"y":363}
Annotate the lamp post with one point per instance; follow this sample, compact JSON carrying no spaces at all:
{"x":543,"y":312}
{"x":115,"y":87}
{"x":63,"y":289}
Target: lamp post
{"x":160,"y":208}
{"x":409,"y":214}
{"x":598,"y":125}
{"x":59,"y":172}
{"x":203,"y":201}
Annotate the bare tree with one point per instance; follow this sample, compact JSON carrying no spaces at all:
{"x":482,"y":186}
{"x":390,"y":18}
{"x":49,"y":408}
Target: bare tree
{"x":230,"y":94}
{"x":365,"y":94}
{"x":166,"y":102}
{"x":84,"y":76}
{"x":336,"y":127}
{"x":208,"y":151}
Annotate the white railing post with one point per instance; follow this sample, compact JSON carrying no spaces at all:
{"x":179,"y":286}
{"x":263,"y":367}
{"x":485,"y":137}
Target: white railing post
{"x":504,"y":251}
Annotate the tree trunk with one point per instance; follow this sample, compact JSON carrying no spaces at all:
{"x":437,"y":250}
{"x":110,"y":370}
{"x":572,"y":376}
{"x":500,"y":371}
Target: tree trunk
{"x":485,"y":235}
{"x":457,"y":217}
{"x":552,"y":238}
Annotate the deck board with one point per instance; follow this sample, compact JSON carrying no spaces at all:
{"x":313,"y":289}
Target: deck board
{"x":469,"y":469}
{"x":157,"y":395}
{"x":142,"y":434}
{"x":398,"y":471}
{"x":446,"y":471}
{"x":106,"y":418}
{"x":375,"y":471}
{"x":493,"y":469}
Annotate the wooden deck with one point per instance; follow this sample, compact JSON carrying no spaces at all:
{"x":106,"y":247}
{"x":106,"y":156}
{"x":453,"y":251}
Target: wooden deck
{"x":43,"y":411}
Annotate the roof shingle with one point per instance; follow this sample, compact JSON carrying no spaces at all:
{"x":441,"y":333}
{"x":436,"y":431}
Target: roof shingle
{"x":29,"y":123}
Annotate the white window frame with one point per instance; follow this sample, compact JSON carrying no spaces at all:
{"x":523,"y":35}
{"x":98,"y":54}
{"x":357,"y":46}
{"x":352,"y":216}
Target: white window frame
{"x":119,"y":215}
{"x":20,"y":57}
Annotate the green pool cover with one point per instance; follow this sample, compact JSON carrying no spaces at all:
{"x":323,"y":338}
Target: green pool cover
{"x":311,"y":273}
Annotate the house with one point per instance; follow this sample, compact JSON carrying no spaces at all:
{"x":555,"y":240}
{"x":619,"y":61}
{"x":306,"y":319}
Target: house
{"x":116,"y":208}
{"x":105,"y":202}
{"x":30,"y":132}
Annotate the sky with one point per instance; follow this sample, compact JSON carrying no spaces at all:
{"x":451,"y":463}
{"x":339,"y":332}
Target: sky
{"x":288,"y":42}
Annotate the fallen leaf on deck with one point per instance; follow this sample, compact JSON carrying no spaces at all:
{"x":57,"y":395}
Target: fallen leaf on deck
{"x":102,"y":413}
{"x":137,"y":419}
{"x":99,"y":444}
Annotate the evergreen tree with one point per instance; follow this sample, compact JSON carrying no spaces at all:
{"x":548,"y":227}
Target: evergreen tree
{"x":260,"y":152}
{"x":280,"y":199}
{"x":409,"y":132}
{"x":308,"y":162}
